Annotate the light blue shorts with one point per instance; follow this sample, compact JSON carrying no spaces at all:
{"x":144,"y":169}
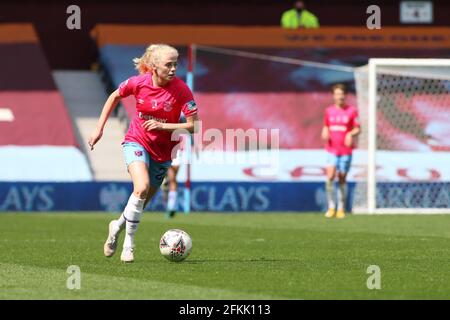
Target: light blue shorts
{"x":133,"y":151}
{"x":342,"y":163}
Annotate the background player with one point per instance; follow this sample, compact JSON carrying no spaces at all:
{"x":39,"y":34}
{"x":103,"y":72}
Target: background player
{"x":160,"y":99}
{"x":340,"y":129}
{"x":170,"y":185}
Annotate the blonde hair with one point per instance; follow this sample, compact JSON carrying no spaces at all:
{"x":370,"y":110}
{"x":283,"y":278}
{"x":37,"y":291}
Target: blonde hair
{"x":152,"y":56}
{"x":340,"y":86}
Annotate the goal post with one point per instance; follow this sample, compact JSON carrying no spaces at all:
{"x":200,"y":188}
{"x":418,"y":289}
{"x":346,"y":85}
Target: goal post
{"x":404,"y":107}
{"x":188,"y":139}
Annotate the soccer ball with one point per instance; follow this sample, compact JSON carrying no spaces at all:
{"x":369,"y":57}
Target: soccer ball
{"x":175,"y":245}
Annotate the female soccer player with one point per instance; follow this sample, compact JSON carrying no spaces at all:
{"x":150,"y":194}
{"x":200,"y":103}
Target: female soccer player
{"x":340,"y":128}
{"x":160,"y":98}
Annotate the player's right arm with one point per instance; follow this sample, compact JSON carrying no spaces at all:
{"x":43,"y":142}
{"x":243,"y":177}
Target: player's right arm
{"x":109,"y":106}
{"x":325,"y":133}
{"x":325,"y":130}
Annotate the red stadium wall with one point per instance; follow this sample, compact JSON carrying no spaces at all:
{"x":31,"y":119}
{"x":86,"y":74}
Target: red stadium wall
{"x":40,"y":118}
{"x":27,"y":89}
{"x":298,"y":116}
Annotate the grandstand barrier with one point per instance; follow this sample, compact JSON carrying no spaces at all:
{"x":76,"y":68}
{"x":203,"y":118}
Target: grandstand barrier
{"x":18,"y":33}
{"x":43,"y":163}
{"x":205,"y":196}
{"x":271,"y":36}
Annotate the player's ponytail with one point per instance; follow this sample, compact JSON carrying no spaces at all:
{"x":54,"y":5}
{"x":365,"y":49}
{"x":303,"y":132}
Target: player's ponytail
{"x":152,"y":56}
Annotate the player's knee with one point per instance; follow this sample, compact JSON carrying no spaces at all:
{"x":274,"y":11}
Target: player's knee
{"x":342,"y":179}
{"x":141,"y":190}
{"x":173,"y":185}
{"x":331,"y":174}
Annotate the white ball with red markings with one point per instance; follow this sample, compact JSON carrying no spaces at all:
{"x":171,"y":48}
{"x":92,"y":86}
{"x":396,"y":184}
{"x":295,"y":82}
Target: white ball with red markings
{"x":175,"y":245}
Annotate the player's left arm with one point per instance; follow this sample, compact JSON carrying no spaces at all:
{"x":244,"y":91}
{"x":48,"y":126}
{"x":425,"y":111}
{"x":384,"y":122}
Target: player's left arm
{"x":189,"y":125}
{"x":352,"y":134}
{"x":355,"y":131}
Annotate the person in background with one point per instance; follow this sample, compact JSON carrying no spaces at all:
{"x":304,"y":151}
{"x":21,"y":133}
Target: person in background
{"x":341,"y":127}
{"x":170,"y":184}
{"x":299,"y":17}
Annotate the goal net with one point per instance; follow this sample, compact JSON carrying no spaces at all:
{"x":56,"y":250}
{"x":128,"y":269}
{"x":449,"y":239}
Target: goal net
{"x":404,"y":107}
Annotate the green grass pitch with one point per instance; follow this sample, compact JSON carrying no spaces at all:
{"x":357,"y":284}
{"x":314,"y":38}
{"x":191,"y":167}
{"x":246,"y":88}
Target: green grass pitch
{"x":234,"y":256}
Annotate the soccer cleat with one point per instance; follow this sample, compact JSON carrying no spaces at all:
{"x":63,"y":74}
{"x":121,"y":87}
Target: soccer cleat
{"x":127,"y":254}
{"x":170,"y":214}
{"x":111,"y":242}
{"x":340,"y":214}
{"x":330,"y":213}
{"x":165,"y":186}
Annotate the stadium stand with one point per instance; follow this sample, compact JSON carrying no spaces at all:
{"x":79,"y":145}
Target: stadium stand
{"x":230,"y":83}
{"x":84,"y":94}
{"x":267,"y":78}
{"x":37,"y":128}
{"x":245,"y":77}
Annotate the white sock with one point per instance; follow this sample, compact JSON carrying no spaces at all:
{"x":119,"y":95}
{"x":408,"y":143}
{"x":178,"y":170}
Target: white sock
{"x":132,"y":201}
{"x":121,"y":221}
{"x":342,"y":195}
{"x":330,"y":194}
{"x":132,"y":215}
{"x":116,"y":229}
{"x":172,"y":201}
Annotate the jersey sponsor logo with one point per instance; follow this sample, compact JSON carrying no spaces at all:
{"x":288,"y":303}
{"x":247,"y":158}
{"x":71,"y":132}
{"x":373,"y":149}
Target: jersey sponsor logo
{"x":149,"y":117}
{"x":191,"y":105}
{"x":338,"y":128}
